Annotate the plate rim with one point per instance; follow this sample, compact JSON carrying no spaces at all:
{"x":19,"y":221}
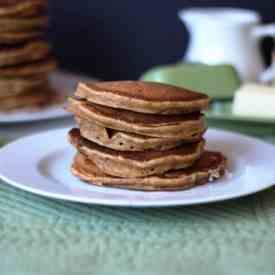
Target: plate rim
{"x":129,"y":203}
{"x":126,"y":204}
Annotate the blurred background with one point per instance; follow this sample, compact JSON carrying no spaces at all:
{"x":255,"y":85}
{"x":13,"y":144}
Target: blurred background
{"x":121,"y":39}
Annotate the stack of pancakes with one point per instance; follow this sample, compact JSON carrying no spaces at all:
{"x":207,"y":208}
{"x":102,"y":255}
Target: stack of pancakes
{"x":25,"y":59}
{"x":141,"y":135}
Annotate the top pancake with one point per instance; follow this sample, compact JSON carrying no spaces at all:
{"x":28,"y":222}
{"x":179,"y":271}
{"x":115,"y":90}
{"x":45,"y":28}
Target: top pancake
{"x":143,"y":97}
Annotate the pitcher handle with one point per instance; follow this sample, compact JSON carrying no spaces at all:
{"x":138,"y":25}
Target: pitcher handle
{"x":262,"y":31}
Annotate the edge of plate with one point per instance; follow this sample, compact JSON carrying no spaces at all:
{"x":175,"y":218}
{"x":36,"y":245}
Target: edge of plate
{"x":129,"y":203}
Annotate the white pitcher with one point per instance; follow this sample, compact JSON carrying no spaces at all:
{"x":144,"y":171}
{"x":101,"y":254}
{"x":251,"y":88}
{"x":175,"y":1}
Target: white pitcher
{"x":226,"y":35}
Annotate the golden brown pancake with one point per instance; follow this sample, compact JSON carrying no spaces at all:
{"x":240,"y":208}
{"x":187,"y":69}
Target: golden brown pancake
{"x":23,"y":24}
{"x":123,"y":141}
{"x":137,"y":164}
{"x":14,"y":86}
{"x":44,"y":66}
{"x":22,"y":8}
{"x":143,"y":97}
{"x":28,"y":52}
{"x":182,"y":126}
{"x":10,"y":38}
{"x":209,"y":167}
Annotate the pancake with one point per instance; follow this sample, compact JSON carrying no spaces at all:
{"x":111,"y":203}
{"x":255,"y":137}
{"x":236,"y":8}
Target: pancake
{"x":14,"y":86}
{"x":123,"y":141}
{"x":9,"y":38}
{"x":209,"y":167}
{"x":31,"y":51}
{"x":30,"y":100}
{"x":184,"y":126}
{"x":44,"y":66}
{"x":22,"y":8}
{"x":143,"y":97}
{"x":23,"y":24}
{"x":137,"y":164}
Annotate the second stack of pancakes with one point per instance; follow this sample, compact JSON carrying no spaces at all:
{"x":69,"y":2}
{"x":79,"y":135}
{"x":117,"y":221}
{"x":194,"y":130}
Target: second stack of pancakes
{"x":137,"y":131}
{"x":25,"y":59}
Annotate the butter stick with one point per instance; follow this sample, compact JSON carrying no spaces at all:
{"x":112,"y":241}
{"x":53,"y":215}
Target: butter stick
{"x":255,"y":100}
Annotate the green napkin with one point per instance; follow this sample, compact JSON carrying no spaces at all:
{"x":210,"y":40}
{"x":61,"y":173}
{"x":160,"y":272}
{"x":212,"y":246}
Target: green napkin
{"x":217,"y":81}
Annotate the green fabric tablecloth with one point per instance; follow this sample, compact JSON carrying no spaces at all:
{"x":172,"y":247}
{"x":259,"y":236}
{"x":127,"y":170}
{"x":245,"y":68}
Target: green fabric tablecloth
{"x":43,"y":236}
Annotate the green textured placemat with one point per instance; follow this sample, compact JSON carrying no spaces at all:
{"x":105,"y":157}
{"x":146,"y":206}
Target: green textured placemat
{"x":43,"y":236}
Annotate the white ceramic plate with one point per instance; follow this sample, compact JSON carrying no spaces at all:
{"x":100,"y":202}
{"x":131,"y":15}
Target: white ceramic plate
{"x":65,"y":84}
{"x":40,"y":164}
